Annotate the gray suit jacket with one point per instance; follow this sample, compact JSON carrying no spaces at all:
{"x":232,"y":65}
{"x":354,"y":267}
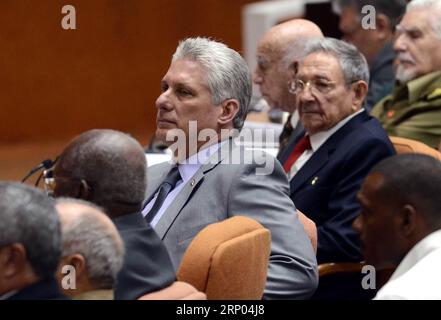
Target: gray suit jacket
{"x":226,"y":186}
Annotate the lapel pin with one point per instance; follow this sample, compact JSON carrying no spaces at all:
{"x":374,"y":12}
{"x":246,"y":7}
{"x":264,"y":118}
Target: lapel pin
{"x":390,"y":113}
{"x":192,"y":183}
{"x":314,"y":181}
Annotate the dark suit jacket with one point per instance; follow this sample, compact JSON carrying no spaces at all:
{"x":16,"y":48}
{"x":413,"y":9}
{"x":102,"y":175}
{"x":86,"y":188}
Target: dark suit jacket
{"x":325,"y":187}
{"x":45,"y":289}
{"x":382,"y":76}
{"x":147,"y":266}
{"x":292,"y":138}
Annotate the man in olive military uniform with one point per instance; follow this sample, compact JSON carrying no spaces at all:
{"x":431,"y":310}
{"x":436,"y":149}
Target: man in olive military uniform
{"x":413,"y":110}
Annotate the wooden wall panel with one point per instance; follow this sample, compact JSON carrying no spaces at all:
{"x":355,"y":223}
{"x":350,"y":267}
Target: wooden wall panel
{"x":56,"y":83}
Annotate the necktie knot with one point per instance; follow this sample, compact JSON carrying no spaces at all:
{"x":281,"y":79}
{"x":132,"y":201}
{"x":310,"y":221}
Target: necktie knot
{"x":304,"y":144}
{"x":172,"y":177}
{"x":166,"y":187}
{"x":286,"y":133}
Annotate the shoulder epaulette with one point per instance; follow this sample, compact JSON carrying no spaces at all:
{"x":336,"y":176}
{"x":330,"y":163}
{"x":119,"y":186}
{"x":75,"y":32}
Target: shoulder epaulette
{"x":434,"y":94}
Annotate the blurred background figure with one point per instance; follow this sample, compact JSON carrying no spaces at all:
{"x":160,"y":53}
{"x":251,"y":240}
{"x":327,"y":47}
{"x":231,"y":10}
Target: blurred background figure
{"x":413,"y":110}
{"x":278,"y":53}
{"x":375,"y":43}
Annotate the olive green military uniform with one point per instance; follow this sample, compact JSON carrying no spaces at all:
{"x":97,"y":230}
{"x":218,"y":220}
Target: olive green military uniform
{"x":105,"y":294}
{"x":413,"y":111}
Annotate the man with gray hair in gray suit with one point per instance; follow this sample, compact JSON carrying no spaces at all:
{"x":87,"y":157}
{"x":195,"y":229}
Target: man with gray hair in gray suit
{"x":203,"y":104}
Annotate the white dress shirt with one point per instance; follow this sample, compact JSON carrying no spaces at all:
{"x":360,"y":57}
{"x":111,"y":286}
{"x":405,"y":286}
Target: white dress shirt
{"x":187,"y":170}
{"x":418,"y":275}
{"x":8,"y":294}
{"x":316,"y":142}
{"x":295,"y":118}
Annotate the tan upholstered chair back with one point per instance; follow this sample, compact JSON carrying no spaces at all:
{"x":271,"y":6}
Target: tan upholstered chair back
{"x":228,"y":260}
{"x":403,"y":145}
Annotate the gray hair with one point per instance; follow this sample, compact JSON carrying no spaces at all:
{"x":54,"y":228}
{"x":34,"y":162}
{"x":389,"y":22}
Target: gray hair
{"x":228,"y":76}
{"x":101,"y":246}
{"x":435,"y":12}
{"x":393,"y":9}
{"x":29,"y":217}
{"x":352,"y":62}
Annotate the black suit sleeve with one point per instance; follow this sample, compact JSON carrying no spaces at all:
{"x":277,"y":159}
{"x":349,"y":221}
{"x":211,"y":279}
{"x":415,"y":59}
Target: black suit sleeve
{"x":147,"y":265}
{"x":337,"y":240}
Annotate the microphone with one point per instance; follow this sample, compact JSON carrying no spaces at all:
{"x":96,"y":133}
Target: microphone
{"x":45,"y":164}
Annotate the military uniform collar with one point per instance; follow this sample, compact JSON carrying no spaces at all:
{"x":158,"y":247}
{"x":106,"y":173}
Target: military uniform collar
{"x":420,"y":87}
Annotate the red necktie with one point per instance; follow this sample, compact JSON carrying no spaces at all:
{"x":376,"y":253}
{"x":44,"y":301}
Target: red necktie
{"x":301,"y":146}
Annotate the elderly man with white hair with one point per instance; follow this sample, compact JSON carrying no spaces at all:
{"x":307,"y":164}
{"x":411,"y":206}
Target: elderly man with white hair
{"x":413,"y":110}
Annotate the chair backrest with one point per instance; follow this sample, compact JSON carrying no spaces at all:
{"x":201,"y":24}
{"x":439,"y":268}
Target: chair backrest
{"x":403,"y":145}
{"x":178,"y":290}
{"x":228,"y":260}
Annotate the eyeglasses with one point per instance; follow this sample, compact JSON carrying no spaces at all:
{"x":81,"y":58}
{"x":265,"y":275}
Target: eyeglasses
{"x":50,"y":182}
{"x":317,"y":86}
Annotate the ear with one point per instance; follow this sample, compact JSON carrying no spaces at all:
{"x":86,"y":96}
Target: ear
{"x":383,"y":27}
{"x":13,"y":259}
{"x":230,"y":108}
{"x":294,"y":68}
{"x":408,"y":220}
{"x":77,"y":261}
{"x":359,"y":89}
{"x":84,"y":191}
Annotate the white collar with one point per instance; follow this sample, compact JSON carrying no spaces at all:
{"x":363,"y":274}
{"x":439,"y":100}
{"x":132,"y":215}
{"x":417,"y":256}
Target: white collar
{"x":188,"y":168}
{"x":295,"y":118}
{"x":419,"y":251}
{"x":320,"y":138}
{"x":8,"y":294}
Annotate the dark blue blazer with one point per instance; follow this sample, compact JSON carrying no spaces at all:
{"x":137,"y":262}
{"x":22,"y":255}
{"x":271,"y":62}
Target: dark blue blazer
{"x":147,"y":265}
{"x":325,"y":188}
{"x":44,"y":289}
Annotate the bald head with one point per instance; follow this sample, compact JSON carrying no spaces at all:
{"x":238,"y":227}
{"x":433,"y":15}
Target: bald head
{"x":277,"y":53}
{"x":284,"y":35}
{"x":105,"y":167}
